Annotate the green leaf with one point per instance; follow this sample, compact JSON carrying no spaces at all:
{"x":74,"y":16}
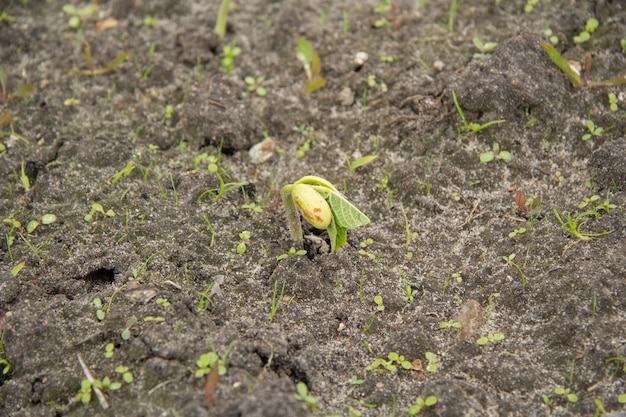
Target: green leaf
{"x":364,"y":160}
{"x":561,"y":62}
{"x":48,"y":218}
{"x":314,"y":84}
{"x":346,"y":215}
{"x":338,"y":235}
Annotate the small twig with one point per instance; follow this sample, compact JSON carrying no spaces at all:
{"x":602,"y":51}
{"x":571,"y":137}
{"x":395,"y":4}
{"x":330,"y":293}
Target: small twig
{"x":101,"y":398}
{"x":216,"y":103}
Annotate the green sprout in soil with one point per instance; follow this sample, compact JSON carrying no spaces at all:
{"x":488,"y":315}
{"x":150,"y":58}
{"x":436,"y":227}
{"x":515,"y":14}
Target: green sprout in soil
{"x":220,"y":173}
{"x":363,"y":251}
{"x":312,"y":66}
{"x":17,"y":268}
{"x":360,"y":162}
{"x":222,"y":17}
{"x":5,"y":365}
{"x":589,"y":201}
{"x":591,"y":25}
{"x":517,"y":232}
{"x":127,"y":376}
{"x":593,"y":130}
{"x":432,"y":360}
{"x":253,"y":207}
{"x":205,"y":300}
{"x":323,"y":207}
{"x":407,"y":290}
{"x":422,"y":404}
{"x":108,"y":350}
{"x":390,"y":364}
{"x":303,"y":395}
{"x":230,"y":51}
{"x":496,"y":153}
{"x":292,"y":252}
{"x":355,"y":380}
{"x":378,"y":300}
{"x":457,"y":277}
{"x":573,"y":74}
{"x":490,"y":338}
{"x":208,"y":360}
{"x":612,"y":102}
{"x":565,"y":392}
{"x":97,"y":208}
{"x":573,"y":226}
{"x":255,"y":85}
{"x":276,"y":299}
{"x":530,"y":5}
{"x":450,"y":324}
{"x":92,"y":70}
{"x":554,"y":40}
{"x":619,"y":362}
{"x":484,"y":48}
{"x":241,"y":247}
{"x":138,"y":273}
{"x":621,"y":398}
{"x":471,"y":126}
{"x":510,"y":260}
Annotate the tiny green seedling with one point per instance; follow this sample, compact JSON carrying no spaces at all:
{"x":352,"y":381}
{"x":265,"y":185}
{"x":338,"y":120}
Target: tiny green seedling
{"x":422,"y":404}
{"x":108,"y":350}
{"x":565,"y":392}
{"x":510,"y":261}
{"x":606,"y":205}
{"x":490,"y":338}
{"x":496,"y":153}
{"x":97,"y":208}
{"x":127,"y":375}
{"x":548,"y":33}
{"x":450,"y":324}
{"x":241,"y":247}
{"x":355,"y":380}
{"x":484,"y":48}
{"x":408,"y":291}
{"x":516,"y":232}
{"x":530,"y":5}
{"x":390,"y":364}
{"x":432,"y":362}
{"x":378,"y":300}
{"x":208,"y":360}
{"x":590,"y":27}
{"x":312,"y":66}
{"x":573,"y":226}
{"x":255,"y":85}
{"x":471,"y":126}
{"x":593,"y":130}
{"x":363,"y":251}
{"x":303,"y":395}
{"x":613,"y":102}
{"x":276,"y":299}
{"x":589,"y":201}
{"x":360,"y":162}
{"x":230,"y":51}
{"x":292,"y":252}
{"x":323,"y":207}
{"x":222,"y":17}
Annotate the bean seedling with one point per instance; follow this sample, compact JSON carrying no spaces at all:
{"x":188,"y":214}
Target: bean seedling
{"x":323,"y":207}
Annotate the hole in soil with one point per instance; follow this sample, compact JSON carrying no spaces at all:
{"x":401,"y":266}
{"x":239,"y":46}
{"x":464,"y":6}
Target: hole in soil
{"x":100,"y":276}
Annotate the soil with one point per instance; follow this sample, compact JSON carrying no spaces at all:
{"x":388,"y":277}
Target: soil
{"x":164,"y":262}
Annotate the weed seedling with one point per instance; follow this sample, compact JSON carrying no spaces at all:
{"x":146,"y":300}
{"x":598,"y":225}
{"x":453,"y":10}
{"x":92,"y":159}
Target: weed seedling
{"x":241,"y":247}
{"x":208,"y":360}
{"x":253,"y":207}
{"x":573,"y":226}
{"x":363,"y":251}
{"x":97,"y":208}
{"x":510,"y":261}
{"x":230,"y":51}
{"x":323,"y":207}
{"x":565,"y":392}
{"x":593,"y":130}
{"x":450,"y":324}
{"x":360,"y":162}
{"x":496,"y":153}
{"x":484,"y":48}
{"x":355,"y":380}
{"x":222,"y":17}
{"x":378,"y":300}
{"x":589,"y":201}
{"x":390,"y":364}
{"x":530,"y":5}
{"x":409,"y":292}
{"x":312,"y":66}
{"x":471,"y":126}
{"x":255,"y":85}
{"x":432,"y":362}
{"x":4,"y":363}
{"x":516,"y":232}
{"x":613,"y":102}
{"x":92,"y":70}
{"x":422,"y":404}
{"x":591,"y":25}
{"x":127,"y":376}
{"x":303,"y":395}
{"x":292,"y":252}
{"x":490,"y":338}
{"x":276,"y":299}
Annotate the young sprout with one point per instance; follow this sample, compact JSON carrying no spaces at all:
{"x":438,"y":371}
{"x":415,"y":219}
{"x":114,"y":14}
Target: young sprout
{"x":323,"y":207}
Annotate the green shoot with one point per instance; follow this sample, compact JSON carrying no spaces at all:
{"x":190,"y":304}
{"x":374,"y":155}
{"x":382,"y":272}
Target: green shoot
{"x":303,"y":395}
{"x":312,"y":66}
{"x":573,"y":226}
{"x":358,"y":163}
{"x":222,"y":17}
{"x":276,"y":299}
{"x":422,"y":404}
